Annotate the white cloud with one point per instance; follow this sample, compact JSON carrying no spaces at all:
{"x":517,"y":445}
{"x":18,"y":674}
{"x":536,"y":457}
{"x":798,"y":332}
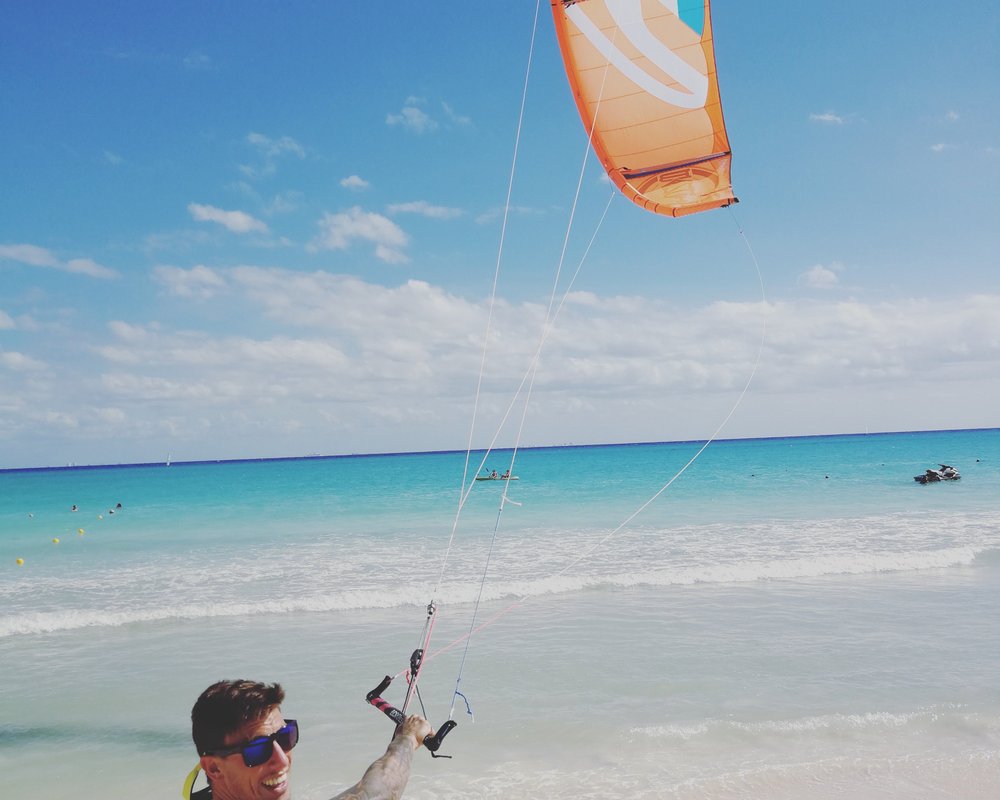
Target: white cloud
{"x":6,"y":321}
{"x":364,"y":367}
{"x":354,"y":182}
{"x":269,"y":151}
{"x":454,"y":118}
{"x":425,"y":209}
{"x":284,"y":202}
{"x":199,"y":282}
{"x":87,"y":266}
{"x":828,"y":118}
{"x":616,"y":346}
{"x":942,"y":147}
{"x":276,"y":147}
{"x":112,"y":158}
{"x":236,"y":221}
{"x":127,"y":331}
{"x":951,"y":116}
{"x":340,"y":231}
{"x":19,"y":362}
{"x":28,"y":254}
{"x":324,"y":301}
{"x":820,"y":277}
{"x":36,"y":256}
{"x":235,"y":355}
{"x":258,"y":171}
{"x":412,"y":118}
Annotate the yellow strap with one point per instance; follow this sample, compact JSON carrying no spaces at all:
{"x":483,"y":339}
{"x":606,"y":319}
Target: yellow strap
{"x":189,"y":782}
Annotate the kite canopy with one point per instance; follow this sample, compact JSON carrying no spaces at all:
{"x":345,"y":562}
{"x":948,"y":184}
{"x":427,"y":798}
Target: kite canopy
{"x":643,"y":75}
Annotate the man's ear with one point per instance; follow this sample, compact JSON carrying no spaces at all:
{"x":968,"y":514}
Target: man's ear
{"x":212,"y":767}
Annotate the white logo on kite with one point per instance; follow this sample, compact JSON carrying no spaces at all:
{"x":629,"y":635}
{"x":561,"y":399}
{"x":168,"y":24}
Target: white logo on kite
{"x":627,"y":15}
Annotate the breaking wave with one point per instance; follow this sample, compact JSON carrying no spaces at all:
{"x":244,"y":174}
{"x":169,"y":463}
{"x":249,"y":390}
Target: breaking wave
{"x":157,"y":604}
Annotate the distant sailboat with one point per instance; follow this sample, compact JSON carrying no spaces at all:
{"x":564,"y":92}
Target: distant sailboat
{"x":168,"y":460}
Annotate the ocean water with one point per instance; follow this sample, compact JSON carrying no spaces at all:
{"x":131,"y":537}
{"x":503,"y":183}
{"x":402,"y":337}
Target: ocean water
{"x":792,"y":618}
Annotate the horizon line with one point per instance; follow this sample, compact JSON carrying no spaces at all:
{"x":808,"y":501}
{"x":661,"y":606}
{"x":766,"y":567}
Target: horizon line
{"x":396,"y":454}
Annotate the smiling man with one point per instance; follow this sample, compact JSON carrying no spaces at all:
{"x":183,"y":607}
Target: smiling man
{"x":244,"y":744}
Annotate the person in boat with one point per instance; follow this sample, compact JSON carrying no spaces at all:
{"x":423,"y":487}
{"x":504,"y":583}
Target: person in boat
{"x":244,"y":746}
{"x":494,"y":474}
{"x":507,"y":473}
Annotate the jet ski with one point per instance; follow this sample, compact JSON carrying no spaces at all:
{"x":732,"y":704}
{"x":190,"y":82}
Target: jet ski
{"x":946,"y":473}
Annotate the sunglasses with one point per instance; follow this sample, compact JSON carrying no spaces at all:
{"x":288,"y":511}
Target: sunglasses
{"x":259,"y":751}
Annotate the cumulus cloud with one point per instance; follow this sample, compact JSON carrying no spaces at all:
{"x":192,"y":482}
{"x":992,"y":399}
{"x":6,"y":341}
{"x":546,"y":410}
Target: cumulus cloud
{"x":36,"y":256}
{"x":236,"y":221}
{"x":360,"y":366}
{"x":820,"y":277}
{"x":412,"y":117}
{"x":340,"y":231}
{"x":616,"y":346}
{"x":234,"y":354}
{"x":325,"y":301}
{"x":354,"y":182}
{"x":828,"y":118}
{"x":425,"y":209}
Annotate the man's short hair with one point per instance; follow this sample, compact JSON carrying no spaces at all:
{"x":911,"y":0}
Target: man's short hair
{"x":227,"y":706}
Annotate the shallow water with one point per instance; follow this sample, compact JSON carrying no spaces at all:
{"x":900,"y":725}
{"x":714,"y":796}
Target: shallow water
{"x":791,"y":618}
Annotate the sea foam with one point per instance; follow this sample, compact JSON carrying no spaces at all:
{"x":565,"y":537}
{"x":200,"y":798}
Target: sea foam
{"x":466,"y":592}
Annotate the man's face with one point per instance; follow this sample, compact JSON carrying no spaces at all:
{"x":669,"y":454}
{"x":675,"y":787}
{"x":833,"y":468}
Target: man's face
{"x":234,"y":780}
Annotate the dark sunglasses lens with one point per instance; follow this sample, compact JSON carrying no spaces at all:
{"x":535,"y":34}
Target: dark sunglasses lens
{"x":257,"y":753}
{"x":260,"y":751}
{"x":288,"y":736}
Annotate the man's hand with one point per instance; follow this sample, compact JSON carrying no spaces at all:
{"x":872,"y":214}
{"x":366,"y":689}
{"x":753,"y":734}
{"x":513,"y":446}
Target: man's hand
{"x":417,"y":728}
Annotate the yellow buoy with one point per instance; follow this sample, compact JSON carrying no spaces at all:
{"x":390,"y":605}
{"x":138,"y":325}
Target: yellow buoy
{"x":55,"y":541}
{"x":20,"y":562}
{"x":80,"y":531}
{"x":100,"y":516}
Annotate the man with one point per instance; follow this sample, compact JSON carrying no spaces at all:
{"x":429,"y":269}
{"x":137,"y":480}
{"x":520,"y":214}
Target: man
{"x":244,"y":744}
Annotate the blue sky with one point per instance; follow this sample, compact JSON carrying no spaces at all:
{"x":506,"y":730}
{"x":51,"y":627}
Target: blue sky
{"x":239,"y":230}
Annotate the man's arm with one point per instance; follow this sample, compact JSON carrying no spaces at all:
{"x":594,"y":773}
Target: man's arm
{"x":386,"y":778}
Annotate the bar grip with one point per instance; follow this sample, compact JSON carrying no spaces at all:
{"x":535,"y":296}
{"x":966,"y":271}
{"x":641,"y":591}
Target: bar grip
{"x":432,"y":743}
{"x":374,"y":697}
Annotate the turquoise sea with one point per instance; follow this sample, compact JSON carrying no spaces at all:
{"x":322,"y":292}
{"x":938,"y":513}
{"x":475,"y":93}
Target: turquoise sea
{"x":791,"y":618}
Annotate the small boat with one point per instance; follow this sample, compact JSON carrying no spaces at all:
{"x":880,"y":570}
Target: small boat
{"x":497,"y":478}
{"x":946,"y":473}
